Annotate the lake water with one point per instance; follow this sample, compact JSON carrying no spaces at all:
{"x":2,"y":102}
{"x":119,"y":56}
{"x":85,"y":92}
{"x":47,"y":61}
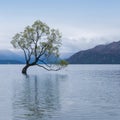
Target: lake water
{"x":78,"y":92}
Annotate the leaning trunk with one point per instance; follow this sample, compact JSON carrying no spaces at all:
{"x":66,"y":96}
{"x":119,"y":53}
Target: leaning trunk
{"x":24,"y":70}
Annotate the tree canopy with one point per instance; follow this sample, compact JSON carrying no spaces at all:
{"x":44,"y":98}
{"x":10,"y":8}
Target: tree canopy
{"x":39,"y":42}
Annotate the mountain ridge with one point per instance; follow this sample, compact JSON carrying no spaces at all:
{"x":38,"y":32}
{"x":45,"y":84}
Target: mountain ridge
{"x":100,"y":54}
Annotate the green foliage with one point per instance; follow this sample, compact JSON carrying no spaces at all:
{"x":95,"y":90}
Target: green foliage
{"x":38,"y":37}
{"x":38,"y":40}
{"x":63,"y":63}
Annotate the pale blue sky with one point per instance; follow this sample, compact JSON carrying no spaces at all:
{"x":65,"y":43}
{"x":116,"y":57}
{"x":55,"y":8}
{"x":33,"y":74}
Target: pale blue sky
{"x":83,"y":23}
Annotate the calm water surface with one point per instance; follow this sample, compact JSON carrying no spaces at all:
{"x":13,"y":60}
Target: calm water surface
{"x":79,"y":92}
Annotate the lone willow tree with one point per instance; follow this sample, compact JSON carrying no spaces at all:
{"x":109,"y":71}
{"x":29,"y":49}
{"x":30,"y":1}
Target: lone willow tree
{"x":39,"y":42}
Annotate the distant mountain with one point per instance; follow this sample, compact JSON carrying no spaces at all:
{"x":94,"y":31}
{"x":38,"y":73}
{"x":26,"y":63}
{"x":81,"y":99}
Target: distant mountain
{"x":65,"y":55}
{"x":101,"y":54}
{"x":17,"y":57}
{"x":9,"y":57}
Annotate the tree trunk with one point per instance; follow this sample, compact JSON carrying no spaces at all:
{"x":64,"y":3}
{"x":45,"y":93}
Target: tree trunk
{"x":24,"y":70}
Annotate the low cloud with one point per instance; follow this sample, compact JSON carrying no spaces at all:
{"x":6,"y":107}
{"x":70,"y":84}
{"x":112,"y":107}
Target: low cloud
{"x":75,"y":45}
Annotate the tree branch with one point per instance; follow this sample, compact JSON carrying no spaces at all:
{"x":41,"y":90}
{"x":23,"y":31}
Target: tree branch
{"x":29,"y":54}
{"x":48,"y":69}
{"x":45,"y":63}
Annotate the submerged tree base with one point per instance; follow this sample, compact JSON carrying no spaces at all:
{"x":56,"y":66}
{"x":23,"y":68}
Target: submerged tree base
{"x":24,"y":70}
{"x":50,"y":67}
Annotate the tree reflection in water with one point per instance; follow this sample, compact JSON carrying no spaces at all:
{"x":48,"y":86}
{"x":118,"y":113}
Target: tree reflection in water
{"x":37,"y":97}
